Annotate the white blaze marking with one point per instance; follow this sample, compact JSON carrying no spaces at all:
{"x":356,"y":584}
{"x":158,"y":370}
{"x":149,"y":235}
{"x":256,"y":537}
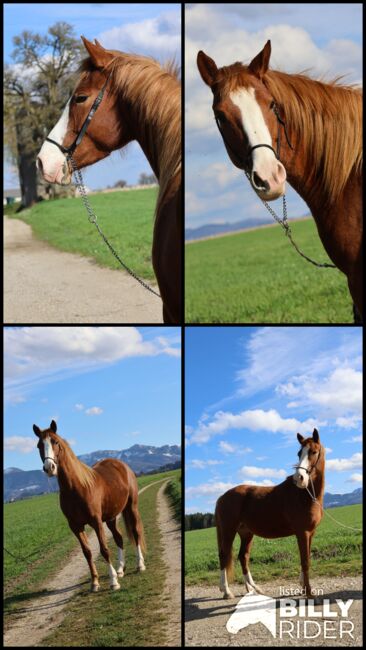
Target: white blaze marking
{"x":303,"y":464}
{"x":59,"y":130}
{"x":48,"y":451}
{"x":253,"y":121}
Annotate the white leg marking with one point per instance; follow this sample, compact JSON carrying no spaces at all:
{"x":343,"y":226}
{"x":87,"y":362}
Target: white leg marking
{"x":140,"y":559}
{"x":224,"y":587}
{"x":114,"y":584}
{"x":121,"y":564}
{"x":249,"y":581}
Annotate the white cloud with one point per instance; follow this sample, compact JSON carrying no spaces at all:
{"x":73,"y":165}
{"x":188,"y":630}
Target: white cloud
{"x":355,"y":478}
{"x":352,"y":422}
{"x":254,"y":420}
{"x":205,"y":489}
{"x":79,"y":407}
{"x":159,"y":36}
{"x":94,"y":410}
{"x":203,"y":464}
{"x":328,"y":450}
{"x":354,"y":439}
{"x":227,"y":448}
{"x":342,"y":464}
{"x":267,"y":472}
{"x":36,"y":354}
{"x":23,"y":445}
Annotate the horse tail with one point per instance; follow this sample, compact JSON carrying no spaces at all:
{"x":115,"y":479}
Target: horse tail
{"x":225,"y":553}
{"x":132,"y":518}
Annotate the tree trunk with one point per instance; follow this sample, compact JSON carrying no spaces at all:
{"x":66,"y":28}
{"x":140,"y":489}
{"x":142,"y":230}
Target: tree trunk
{"x":26,"y":164}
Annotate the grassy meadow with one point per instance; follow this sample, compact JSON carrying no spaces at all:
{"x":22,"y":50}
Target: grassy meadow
{"x":103,"y":619}
{"x":335,"y":551}
{"x":126,"y":218}
{"x":258,"y":277}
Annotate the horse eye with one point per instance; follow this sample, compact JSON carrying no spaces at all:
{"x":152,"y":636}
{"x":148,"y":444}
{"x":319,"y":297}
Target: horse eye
{"x":272,"y":104}
{"x":80,"y":99}
{"x":221,"y":117}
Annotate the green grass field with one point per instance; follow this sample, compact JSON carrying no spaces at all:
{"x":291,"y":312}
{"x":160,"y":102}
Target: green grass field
{"x":96,"y":620}
{"x":258,"y":277}
{"x":335,"y":551}
{"x":126,"y":218}
{"x":174,"y":492}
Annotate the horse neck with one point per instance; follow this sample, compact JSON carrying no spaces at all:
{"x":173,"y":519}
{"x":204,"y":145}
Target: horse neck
{"x":319,"y":480}
{"x":156,"y":123}
{"x":319,"y":143}
{"x":67,"y":478}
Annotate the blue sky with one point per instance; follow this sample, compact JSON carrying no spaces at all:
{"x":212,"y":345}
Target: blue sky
{"x":151,"y":29}
{"x":324,"y":37}
{"x":249,"y":390}
{"x":106,"y":387}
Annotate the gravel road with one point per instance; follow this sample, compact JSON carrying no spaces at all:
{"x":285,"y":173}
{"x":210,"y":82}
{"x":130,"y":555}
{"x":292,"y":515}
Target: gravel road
{"x":44,"y":285}
{"x":206,"y":615}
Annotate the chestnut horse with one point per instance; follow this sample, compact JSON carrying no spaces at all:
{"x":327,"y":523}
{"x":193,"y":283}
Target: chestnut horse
{"x":91,"y":495}
{"x":141,"y":100}
{"x":280,"y":511}
{"x":320,"y":151}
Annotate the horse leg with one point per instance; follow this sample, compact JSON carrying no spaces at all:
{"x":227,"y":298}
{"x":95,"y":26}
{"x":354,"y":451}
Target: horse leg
{"x":98,"y":527}
{"x":83,"y":541}
{"x":304,"y":541}
{"x":112,"y":525}
{"x":225,"y":540}
{"x":244,"y":553}
{"x":134,"y":527}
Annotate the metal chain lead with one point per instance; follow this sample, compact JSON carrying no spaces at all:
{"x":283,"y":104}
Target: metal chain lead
{"x":92,"y":217}
{"x":286,"y":227}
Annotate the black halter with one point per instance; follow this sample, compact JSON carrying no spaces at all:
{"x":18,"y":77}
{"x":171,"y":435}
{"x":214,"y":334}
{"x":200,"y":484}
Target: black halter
{"x":256,"y":146}
{"x":70,"y":150}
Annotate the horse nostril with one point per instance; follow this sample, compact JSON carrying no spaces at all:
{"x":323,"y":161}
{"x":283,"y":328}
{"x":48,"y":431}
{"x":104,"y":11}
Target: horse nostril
{"x":258,"y":183}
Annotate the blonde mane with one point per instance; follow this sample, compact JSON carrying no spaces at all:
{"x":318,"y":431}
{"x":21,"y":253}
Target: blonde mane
{"x":154,"y":90}
{"x":324,"y":119}
{"x":84,"y":474}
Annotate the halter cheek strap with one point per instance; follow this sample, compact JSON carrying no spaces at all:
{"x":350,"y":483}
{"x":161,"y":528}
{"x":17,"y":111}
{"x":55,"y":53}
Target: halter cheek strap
{"x":70,"y":150}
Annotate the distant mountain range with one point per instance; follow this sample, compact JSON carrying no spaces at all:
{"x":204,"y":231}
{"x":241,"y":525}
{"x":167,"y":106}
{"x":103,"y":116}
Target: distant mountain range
{"x":349,"y":499}
{"x":142,"y":459}
{"x":212,"y":229}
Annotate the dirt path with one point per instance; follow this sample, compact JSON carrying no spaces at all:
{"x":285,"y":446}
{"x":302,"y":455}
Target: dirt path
{"x":206,"y":615}
{"x":172,"y":595}
{"x":32,"y":623}
{"x":44,"y":285}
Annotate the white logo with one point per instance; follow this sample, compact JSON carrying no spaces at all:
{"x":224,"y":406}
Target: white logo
{"x":253,"y":608}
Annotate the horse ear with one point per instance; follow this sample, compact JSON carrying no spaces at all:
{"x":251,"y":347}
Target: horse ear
{"x":300,"y":438}
{"x":36,"y":430}
{"x":207,"y":68}
{"x":53,"y":426}
{"x":316,"y":435}
{"x":99,"y":45}
{"x":99,"y":56}
{"x":259,"y":65}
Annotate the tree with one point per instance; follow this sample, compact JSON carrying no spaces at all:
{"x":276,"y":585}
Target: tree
{"x":36,"y":88}
{"x":147,"y":179}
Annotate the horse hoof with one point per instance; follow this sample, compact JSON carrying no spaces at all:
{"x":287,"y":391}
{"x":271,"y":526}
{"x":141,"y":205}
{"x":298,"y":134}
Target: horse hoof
{"x":141,"y":567}
{"x":228,"y":595}
{"x":115,"y":587}
{"x":94,"y":588}
{"x":120,"y":573}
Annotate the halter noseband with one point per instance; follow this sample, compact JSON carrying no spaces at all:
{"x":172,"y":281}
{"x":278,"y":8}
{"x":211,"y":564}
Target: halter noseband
{"x":274,"y":107}
{"x":70,"y":150}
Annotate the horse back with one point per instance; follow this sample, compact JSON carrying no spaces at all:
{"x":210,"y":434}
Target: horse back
{"x":117,"y":483}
